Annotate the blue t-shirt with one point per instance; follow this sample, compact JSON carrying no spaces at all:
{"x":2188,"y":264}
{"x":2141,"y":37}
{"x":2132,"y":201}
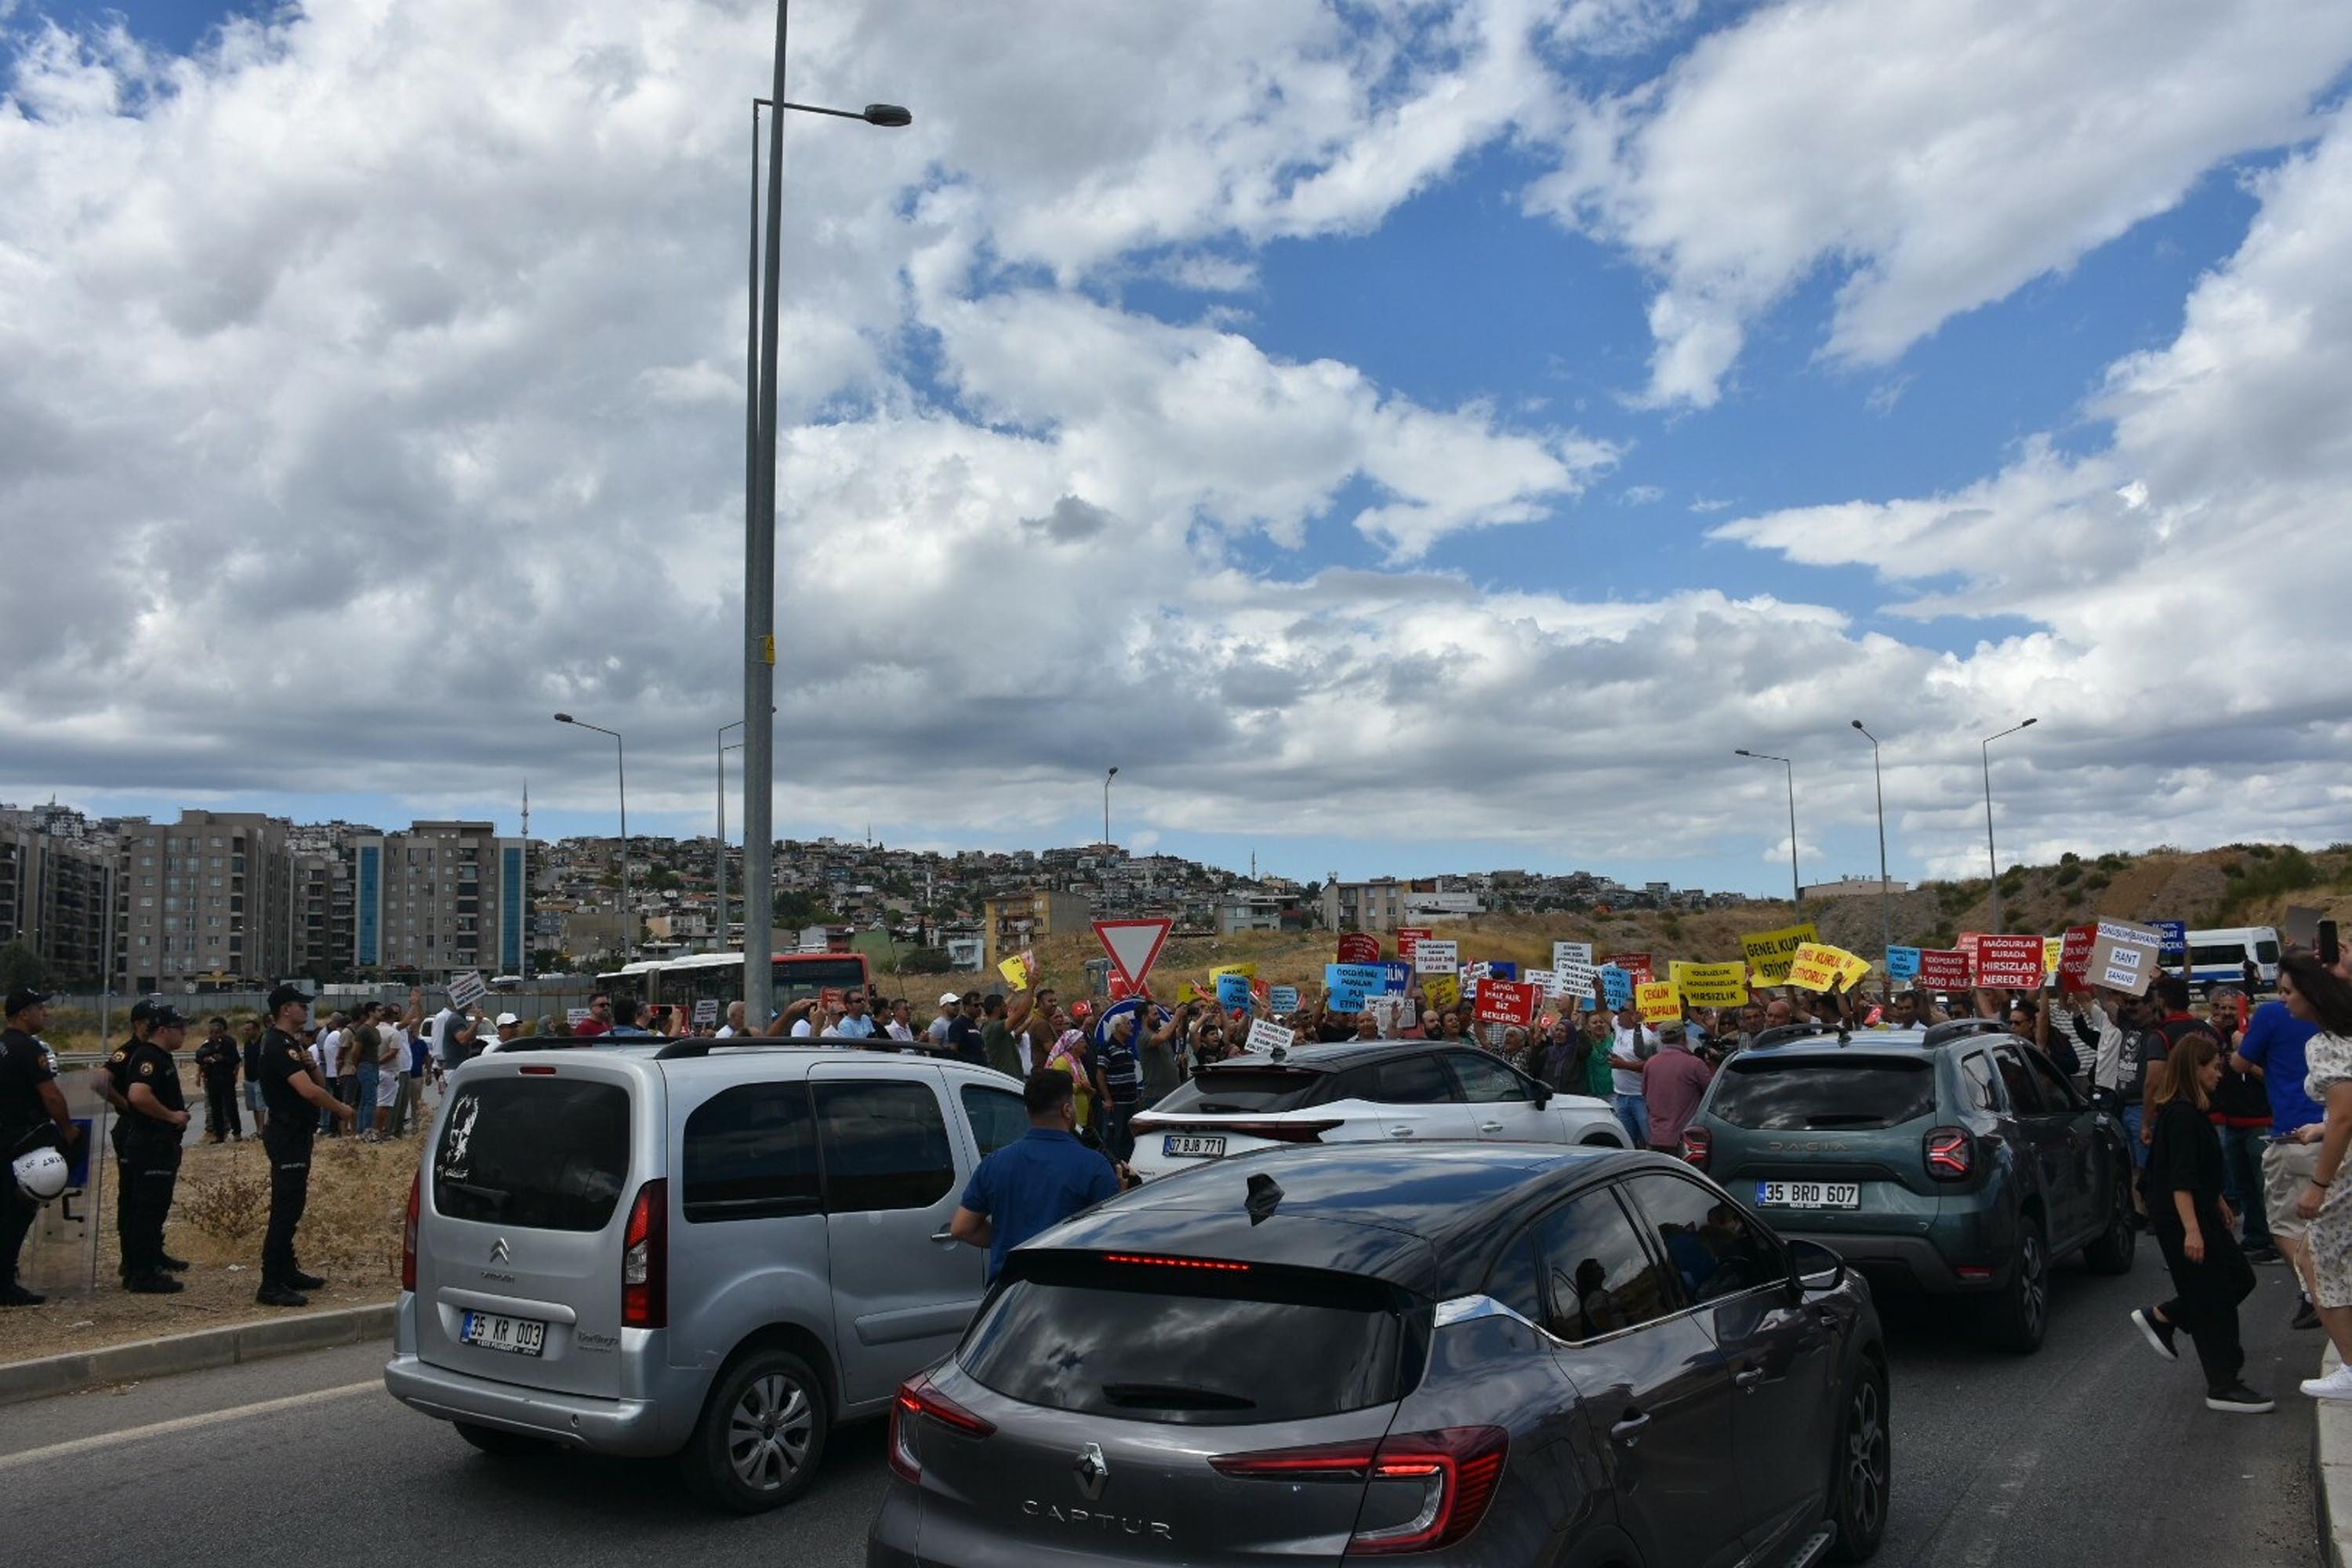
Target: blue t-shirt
{"x":2275,"y":1039}
{"x":1033,"y":1184}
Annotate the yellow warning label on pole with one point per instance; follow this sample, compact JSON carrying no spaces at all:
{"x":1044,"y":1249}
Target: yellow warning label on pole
{"x":768,"y":650}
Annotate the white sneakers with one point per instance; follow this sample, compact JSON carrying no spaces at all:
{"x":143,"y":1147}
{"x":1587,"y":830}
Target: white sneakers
{"x":2336,"y":1384}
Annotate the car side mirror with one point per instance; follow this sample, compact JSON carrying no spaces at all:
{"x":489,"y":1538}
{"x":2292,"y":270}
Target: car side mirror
{"x":1814,"y":1268}
{"x":1543,"y":1092}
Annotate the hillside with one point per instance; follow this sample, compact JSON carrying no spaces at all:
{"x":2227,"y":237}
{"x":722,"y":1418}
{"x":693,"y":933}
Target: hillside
{"x":2239,"y":885}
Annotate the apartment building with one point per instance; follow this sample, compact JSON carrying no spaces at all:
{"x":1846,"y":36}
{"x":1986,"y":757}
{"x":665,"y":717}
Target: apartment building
{"x":1022,"y":920}
{"x":204,"y":900}
{"x":54,"y":888}
{"x":1376,"y":905}
{"x":440,"y":899}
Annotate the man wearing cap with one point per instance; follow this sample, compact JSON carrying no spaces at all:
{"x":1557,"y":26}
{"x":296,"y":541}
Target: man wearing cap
{"x":32,"y":1115}
{"x":295,"y":1097}
{"x":114,"y":1082}
{"x":951,"y":1009}
{"x":150,"y":1154}
{"x":216,"y":1070}
{"x":1673,"y":1083}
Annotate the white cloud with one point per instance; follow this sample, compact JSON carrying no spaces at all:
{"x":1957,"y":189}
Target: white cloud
{"x":1937,"y":154}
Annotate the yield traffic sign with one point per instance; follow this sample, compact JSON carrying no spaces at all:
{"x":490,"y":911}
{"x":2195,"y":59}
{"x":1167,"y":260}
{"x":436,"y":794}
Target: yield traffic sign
{"x":1133,"y":945}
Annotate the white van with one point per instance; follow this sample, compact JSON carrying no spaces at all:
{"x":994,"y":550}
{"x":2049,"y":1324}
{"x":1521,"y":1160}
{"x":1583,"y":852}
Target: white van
{"x":2219,"y":957}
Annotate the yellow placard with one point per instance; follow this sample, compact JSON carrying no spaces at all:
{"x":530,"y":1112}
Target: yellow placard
{"x":1014,"y":974}
{"x":1711,"y":984}
{"x":1660,"y":1001}
{"x":1248,"y":971}
{"x":2054,"y":949}
{"x":1817,"y":967}
{"x":1852,"y":972}
{"x":1770,"y":951}
{"x":1441,"y":990}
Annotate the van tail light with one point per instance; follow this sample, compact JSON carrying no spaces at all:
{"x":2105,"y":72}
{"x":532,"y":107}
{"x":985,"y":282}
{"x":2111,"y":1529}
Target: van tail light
{"x":1698,"y":1143}
{"x":645,"y":1260}
{"x":920,"y":1396}
{"x":1951,"y":1153}
{"x":408,"y":1232}
{"x":1458,"y":1469}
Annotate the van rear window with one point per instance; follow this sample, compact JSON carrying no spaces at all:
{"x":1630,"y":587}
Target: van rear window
{"x":533,"y":1153}
{"x":1770,"y":1093}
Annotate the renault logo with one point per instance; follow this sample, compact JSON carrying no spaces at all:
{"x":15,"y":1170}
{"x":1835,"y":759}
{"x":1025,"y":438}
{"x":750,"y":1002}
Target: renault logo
{"x":1092,"y":1471}
{"x":501,"y":1251}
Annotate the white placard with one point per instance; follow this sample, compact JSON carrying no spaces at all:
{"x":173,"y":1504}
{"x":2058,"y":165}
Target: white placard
{"x":1566,"y":954}
{"x":1265,"y":1036}
{"x":1479,"y":970}
{"x":1432,"y":957}
{"x":575,"y":1016}
{"x":1388,"y":1014}
{"x":466,"y":990}
{"x":1543,"y":977}
{"x":1571,"y":979}
{"x":706,"y":1010}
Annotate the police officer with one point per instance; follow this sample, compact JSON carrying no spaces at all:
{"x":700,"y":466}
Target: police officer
{"x":113,"y":1082}
{"x":216,"y":1068}
{"x":32,"y":1114}
{"x":151,"y":1152}
{"x":293,"y":1096}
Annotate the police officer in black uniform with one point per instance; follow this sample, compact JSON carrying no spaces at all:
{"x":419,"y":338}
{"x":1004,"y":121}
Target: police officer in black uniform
{"x":32,"y":1115}
{"x":293,"y":1096}
{"x":151,"y":1152}
{"x":216,"y":1061}
{"x":113,"y":1085}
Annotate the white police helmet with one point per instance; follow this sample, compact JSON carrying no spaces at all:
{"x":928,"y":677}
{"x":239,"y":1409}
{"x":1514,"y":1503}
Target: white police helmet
{"x":41,"y":1174}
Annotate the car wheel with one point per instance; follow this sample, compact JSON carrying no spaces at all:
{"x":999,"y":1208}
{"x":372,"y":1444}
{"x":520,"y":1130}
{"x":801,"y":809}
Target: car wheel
{"x":2112,"y":1253}
{"x":760,"y":1436}
{"x":497,"y":1444}
{"x":2021,"y":1313}
{"x":1858,"y":1493}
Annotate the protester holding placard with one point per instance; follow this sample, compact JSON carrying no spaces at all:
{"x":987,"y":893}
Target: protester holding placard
{"x":1631,"y":1048}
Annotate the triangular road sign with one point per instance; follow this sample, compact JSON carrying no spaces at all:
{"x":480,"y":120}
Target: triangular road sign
{"x":1133,"y":945}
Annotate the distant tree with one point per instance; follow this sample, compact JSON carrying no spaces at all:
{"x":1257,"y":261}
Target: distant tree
{"x":20,"y":965}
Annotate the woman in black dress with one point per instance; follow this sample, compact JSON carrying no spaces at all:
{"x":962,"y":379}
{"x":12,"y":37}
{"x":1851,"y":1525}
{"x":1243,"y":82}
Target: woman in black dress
{"x":2195,"y":1228}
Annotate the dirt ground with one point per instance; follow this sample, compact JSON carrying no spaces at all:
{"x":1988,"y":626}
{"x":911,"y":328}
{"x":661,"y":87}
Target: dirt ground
{"x":350,"y":1234}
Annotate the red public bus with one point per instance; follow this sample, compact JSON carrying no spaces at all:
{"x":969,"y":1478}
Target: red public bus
{"x":695,"y":978}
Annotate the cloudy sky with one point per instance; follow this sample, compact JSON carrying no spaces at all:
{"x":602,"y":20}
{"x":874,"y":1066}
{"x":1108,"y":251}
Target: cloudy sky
{"x":1398,"y":436}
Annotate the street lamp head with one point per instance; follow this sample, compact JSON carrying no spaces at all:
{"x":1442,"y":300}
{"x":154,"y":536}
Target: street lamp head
{"x":2028,"y":723}
{"x":1743,"y":752}
{"x":565,"y":719}
{"x":1112,"y":775}
{"x":888,"y":114}
{"x":1857,"y":724}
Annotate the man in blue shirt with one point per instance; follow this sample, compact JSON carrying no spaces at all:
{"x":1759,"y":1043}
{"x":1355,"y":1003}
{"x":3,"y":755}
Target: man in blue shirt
{"x":1036,"y":1182}
{"x":2272,"y":1048}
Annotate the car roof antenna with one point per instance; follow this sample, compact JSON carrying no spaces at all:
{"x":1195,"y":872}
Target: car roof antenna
{"x":1264,"y":1197}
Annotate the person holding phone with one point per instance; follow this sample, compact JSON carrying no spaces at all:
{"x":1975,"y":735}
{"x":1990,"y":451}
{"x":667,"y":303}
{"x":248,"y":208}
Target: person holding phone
{"x":2273,"y":1050}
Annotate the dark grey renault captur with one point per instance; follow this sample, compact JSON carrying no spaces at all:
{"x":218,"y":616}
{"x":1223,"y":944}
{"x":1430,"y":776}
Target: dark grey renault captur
{"x":1465,"y":1354}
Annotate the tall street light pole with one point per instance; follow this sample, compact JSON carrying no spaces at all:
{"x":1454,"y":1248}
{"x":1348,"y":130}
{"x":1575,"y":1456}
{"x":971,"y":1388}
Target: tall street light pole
{"x":759,"y":543}
{"x":1992,"y":861}
{"x":721,"y":878}
{"x":1796,"y":886}
{"x":1106,"y":778}
{"x":1885,"y":896}
{"x":621,"y":760}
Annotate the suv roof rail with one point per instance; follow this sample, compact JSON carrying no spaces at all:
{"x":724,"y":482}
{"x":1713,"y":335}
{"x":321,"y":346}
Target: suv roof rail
{"x":879,"y":1044}
{"x":1781,"y":1035}
{"x":1963,"y":1029}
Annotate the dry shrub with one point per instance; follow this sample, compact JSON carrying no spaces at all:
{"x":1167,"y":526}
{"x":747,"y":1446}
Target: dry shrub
{"x":230,"y":1208}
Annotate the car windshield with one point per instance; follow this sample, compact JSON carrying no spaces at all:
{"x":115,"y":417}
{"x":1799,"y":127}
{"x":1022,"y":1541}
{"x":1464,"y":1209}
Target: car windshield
{"x":1254,"y":1089}
{"x":1790,"y":1094}
{"x":1149,"y":1342}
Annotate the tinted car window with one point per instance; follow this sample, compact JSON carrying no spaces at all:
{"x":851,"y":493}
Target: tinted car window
{"x":534,"y":1152}
{"x":1405,"y":1080}
{"x":886,"y":1146}
{"x":1975,"y":1073}
{"x":1769,"y":1092}
{"x":2057,"y":1094}
{"x":997,"y":1117}
{"x":1246,"y":1088}
{"x":1715,"y":1249}
{"x":1148,"y":1343}
{"x":1484,"y":1080}
{"x":1598,"y":1278}
{"x":750,"y":1154}
{"x":2024,"y":1098}
{"x":1517,"y":1280}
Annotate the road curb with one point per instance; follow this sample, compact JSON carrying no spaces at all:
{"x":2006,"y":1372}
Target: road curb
{"x":2332,"y":1473}
{"x":225,"y":1346}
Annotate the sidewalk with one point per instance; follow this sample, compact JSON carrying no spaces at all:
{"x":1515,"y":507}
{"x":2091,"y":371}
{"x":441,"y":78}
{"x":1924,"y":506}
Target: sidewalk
{"x":2332,"y":1462}
{"x":224,"y":1346}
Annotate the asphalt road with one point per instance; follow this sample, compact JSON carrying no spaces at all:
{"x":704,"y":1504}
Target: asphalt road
{"x":2092,"y":1450}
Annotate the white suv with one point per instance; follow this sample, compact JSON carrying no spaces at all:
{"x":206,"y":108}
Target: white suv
{"x":1387,"y":1091}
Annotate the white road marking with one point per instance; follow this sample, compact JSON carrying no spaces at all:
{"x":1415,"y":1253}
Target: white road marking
{"x":186,"y":1423}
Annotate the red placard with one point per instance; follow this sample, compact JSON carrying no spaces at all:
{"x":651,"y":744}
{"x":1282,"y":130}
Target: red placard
{"x":1507,"y":1002}
{"x":829,"y":998}
{"x":2009,"y":962}
{"x":1944,"y":969}
{"x":2074,"y":958}
{"x":1359,"y":947}
{"x":1636,"y":964}
{"x":1119,"y":989}
{"x":1409,"y":935}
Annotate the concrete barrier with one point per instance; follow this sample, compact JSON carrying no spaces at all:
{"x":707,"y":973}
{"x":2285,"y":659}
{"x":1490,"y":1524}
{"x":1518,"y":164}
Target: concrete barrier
{"x":225,"y":1346}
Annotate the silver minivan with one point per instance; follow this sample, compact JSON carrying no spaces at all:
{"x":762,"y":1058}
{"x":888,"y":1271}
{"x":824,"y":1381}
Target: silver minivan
{"x":696,"y":1250}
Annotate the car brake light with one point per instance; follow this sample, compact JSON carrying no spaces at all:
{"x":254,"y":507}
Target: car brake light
{"x":1951,"y":1153}
{"x":918,"y":1395}
{"x":645,"y":1260}
{"x":1697,"y":1144}
{"x":1153,"y":1260}
{"x":408,"y":1231}
{"x":1458,"y":1468}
